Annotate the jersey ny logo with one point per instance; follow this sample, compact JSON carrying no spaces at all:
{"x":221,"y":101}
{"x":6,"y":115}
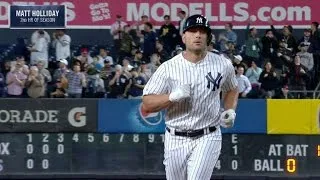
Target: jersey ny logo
{"x":214,"y":81}
{"x":199,"y":20}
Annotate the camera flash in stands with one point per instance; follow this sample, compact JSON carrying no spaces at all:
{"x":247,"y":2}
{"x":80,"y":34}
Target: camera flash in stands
{"x":318,"y":150}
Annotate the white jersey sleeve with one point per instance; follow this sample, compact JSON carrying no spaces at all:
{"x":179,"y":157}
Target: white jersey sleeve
{"x":157,"y":84}
{"x":231,"y":81}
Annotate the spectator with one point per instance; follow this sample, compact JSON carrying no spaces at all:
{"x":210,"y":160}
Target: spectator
{"x":144,"y":19}
{"x":46,"y":75}
{"x":177,"y":51}
{"x":286,"y":36}
{"x":95,"y":86}
{"x":35,"y":83}
{"x":100,"y":88}
{"x":227,"y":36}
{"x":164,"y":55}
{"x":24,"y":69}
{"x":136,"y":84}
{"x":119,"y":84}
{"x":237,"y":62}
{"x":283,"y":55}
{"x":183,"y":16}
{"x":106,"y":70}
{"x":306,"y":57}
{"x":85,"y":68}
{"x":21,"y":49}
{"x":244,"y":86}
{"x":76,"y":82}
{"x":126,"y":43}
{"x":298,"y":76}
{"x":154,"y":62}
{"x":96,"y":64}
{"x":140,"y":28}
{"x":253,"y":73}
{"x":61,"y":42}
{"x":84,"y":65}
{"x":62,"y":70}
{"x":168,"y":34}
{"x":21,"y":60}
{"x":253,"y":46}
{"x":144,"y":71}
{"x":104,"y":56}
{"x":138,"y":57}
{"x":39,"y":50}
{"x":35,"y":36}
{"x":134,"y":50}
{"x":230,"y":50}
{"x":59,"y":91}
{"x":269,"y":46}
{"x":106,"y":74}
{"x":269,"y":81}
{"x":149,"y":45}
{"x":212,"y":47}
{"x":15,"y":80}
{"x":308,"y":40}
{"x":286,"y":93}
{"x":116,"y":31}
{"x":126,"y":67}
{"x":85,"y":57}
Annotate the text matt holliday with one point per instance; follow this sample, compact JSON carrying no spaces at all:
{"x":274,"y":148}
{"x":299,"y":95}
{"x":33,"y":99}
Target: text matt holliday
{"x":37,"y":13}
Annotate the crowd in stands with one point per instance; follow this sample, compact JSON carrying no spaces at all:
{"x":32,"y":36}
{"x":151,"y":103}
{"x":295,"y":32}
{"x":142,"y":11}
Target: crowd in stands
{"x":270,"y":66}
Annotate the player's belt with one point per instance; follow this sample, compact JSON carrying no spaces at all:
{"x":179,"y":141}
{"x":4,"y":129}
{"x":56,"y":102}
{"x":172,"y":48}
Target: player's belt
{"x":193,"y":133}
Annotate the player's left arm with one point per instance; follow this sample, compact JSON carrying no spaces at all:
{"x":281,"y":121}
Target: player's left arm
{"x":230,"y":97}
{"x":229,"y":89}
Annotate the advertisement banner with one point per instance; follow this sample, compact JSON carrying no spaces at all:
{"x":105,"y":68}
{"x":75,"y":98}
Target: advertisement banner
{"x":315,"y":117}
{"x":293,"y":116}
{"x":102,"y":13}
{"x":48,"y":115}
{"x":125,"y":116}
{"x":35,"y":17}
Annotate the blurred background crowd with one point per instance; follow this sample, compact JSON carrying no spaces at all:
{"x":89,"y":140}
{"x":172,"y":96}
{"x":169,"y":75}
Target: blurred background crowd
{"x":274,"y":65}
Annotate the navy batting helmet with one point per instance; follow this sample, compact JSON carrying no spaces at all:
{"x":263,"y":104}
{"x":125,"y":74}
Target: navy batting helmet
{"x":198,"y":20}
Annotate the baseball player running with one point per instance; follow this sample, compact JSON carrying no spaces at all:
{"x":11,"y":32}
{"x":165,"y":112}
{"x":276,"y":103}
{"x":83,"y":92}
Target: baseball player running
{"x":188,"y":86}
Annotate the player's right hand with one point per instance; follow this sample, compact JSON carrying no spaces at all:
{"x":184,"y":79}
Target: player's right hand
{"x":180,"y":93}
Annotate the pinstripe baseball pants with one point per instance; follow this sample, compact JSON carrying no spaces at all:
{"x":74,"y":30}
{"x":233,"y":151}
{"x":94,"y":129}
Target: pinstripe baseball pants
{"x":191,"y":158}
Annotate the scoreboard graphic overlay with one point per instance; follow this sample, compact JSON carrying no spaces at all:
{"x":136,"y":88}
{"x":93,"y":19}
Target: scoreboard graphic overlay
{"x":37,"y":16}
{"x":94,"y":154}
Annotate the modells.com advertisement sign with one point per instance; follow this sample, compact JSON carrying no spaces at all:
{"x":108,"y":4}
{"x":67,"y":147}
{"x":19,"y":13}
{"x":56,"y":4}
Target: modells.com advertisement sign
{"x":102,"y":13}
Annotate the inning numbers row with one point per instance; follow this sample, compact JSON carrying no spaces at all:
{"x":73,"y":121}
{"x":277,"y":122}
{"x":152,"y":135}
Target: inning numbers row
{"x":90,"y":137}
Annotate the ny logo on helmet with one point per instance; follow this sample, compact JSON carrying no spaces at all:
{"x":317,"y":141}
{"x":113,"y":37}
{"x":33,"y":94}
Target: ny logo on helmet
{"x":199,"y":20}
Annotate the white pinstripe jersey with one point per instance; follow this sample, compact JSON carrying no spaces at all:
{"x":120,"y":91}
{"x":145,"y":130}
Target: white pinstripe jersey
{"x":202,"y":109}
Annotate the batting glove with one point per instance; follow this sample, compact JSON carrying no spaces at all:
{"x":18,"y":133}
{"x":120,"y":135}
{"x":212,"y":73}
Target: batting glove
{"x":180,"y":93}
{"x":227,"y":118}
